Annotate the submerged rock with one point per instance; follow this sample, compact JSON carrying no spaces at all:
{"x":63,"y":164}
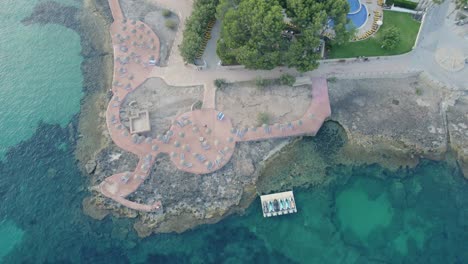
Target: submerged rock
{"x":90,"y":209}
{"x":90,"y":166}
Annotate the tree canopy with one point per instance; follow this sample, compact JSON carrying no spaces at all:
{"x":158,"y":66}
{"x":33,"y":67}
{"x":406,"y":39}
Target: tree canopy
{"x":390,"y":38}
{"x":252,"y":32}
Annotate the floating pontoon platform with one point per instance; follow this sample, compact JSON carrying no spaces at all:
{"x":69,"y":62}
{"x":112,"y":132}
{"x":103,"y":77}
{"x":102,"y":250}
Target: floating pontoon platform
{"x":278,"y":204}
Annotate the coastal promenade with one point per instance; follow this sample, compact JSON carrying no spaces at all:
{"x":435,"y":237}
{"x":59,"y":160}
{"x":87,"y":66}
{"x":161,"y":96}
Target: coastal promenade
{"x":199,"y":141}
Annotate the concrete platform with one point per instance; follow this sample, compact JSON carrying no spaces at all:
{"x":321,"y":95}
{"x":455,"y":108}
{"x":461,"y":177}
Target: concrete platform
{"x":278,"y":204}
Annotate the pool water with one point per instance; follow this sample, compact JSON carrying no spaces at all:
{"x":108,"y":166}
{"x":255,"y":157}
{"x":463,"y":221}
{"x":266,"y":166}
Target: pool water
{"x":359,"y":18}
{"x":354,"y":6}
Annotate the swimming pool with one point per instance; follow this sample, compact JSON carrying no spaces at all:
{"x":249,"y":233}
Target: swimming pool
{"x":354,"y":6}
{"x":359,"y":18}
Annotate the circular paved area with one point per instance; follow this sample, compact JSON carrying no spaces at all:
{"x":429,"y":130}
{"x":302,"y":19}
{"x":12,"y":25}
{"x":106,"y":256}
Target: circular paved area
{"x":450,"y":59}
{"x":201,"y":143}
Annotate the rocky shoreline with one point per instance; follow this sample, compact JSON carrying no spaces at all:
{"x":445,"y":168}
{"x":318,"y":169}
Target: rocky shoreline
{"x":392,"y":122}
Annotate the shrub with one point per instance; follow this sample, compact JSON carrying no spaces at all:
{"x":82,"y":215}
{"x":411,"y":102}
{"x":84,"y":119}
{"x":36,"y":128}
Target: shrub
{"x":390,"y":38}
{"x":195,"y":26}
{"x":332,"y":79}
{"x":405,"y":4}
{"x":287,"y":79}
{"x":262,"y":83}
{"x":220,"y":83}
{"x":419,"y":91}
{"x":171,"y":24}
{"x":166,"y":13}
{"x":263,"y":118}
{"x":197,"y":105}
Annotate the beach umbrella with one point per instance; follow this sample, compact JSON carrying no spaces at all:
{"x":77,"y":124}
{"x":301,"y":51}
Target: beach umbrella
{"x":134,"y":138}
{"x":227,"y":149}
{"x":125,"y":133}
{"x":230,"y":139}
{"x":169,"y":133}
{"x":208,"y":131}
{"x":186,"y":121}
{"x":173,"y":154}
{"x":181,"y":134}
{"x":159,"y":137}
{"x":233,"y":130}
{"x":195,"y":129}
{"x":186,"y":147}
{"x":311,"y":116}
{"x":155,"y":147}
{"x":299,"y":122}
{"x":133,"y":21}
{"x":176,"y":144}
{"x":133,"y":31}
{"x":148,"y":140}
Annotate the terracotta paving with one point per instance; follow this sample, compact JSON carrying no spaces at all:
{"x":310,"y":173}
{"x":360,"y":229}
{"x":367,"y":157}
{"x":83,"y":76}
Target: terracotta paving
{"x":200,"y":141}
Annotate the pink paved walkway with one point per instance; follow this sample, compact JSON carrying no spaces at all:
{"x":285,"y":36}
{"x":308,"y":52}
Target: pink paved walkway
{"x":199,"y":141}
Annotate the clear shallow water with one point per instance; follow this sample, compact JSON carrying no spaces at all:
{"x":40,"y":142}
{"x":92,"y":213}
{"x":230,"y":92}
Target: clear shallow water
{"x":40,"y":77}
{"x":366,"y":214}
{"x":412,"y":216}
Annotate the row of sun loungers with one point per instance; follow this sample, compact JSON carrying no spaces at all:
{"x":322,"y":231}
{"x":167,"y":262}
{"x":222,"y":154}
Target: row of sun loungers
{"x":206,"y":38}
{"x":373,"y":30}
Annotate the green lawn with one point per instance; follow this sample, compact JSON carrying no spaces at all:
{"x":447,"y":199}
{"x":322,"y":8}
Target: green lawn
{"x":371,"y":47}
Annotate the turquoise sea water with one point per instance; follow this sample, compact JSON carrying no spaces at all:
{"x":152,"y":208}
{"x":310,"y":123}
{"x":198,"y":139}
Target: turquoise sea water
{"x":365,"y":215}
{"x":40,"y":77}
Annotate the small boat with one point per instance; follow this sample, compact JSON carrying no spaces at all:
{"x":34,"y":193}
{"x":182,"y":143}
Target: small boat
{"x":265,"y":207}
{"x":270,"y":207}
{"x":286,"y":201}
{"x":282,"y":207}
{"x":293,"y":205}
{"x":276,"y":205}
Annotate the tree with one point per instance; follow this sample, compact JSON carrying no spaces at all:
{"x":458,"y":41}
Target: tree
{"x":252,"y":31}
{"x":251,"y":34}
{"x":390,"y":38}
{"x":460,"y":4}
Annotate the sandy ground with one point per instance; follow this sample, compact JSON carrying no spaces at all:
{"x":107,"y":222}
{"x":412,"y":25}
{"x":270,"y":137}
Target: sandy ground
{"x":153,"y":17}
{"x":242,"y":102}
{"x":162,"y":101}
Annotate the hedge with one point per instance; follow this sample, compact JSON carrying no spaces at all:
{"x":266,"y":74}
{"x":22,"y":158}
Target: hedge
{"x":203,"y":12}
{"x":404,"y":4}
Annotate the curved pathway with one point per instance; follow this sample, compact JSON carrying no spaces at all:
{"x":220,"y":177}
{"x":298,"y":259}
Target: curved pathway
{"x":198,"y":141}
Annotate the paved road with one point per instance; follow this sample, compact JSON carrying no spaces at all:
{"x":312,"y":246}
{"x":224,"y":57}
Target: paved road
{"x":436,"y":32}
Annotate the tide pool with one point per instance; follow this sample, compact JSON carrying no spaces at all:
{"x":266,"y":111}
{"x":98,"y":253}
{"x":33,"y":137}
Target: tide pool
{"x":40,"y":75}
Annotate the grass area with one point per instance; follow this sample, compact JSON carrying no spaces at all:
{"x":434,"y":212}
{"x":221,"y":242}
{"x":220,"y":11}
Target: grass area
{"x":371,"y":47}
